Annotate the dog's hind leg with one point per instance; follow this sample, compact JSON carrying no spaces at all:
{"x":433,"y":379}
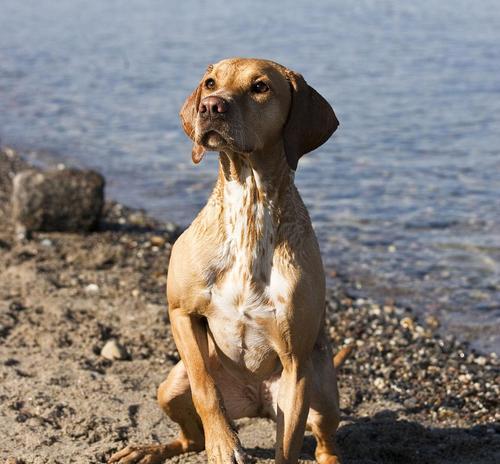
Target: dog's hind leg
{"x":174,"y":397}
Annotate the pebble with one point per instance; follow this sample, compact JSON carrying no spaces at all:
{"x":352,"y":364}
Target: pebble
{"x":375,"y":310}
{"x":46,"y":242}
{"x":136,"y":218}
{"x":480,"y":360}
{"x":410,"y":403}
{"x":432,"y":322}
{"x":112,"y":350}
{"x":464,"y":378}
{"x":444,"y":413}
{"x":388,"y":309}
{"x":92,"y":289}
{"x":379,"y":383}
{"x":171,"y":227}
{"x":407,"y":323}
{"x":158,"y":241}
{"x":9,"y":152}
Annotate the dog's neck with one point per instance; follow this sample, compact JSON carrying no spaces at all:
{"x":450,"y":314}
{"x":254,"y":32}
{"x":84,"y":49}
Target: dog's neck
{"x":261,"y":178}
{"x":250,"y":192}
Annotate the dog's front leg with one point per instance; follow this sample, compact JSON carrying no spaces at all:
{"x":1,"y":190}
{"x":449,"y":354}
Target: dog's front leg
{"x":221,"y":442}
{"x":293,"y":407}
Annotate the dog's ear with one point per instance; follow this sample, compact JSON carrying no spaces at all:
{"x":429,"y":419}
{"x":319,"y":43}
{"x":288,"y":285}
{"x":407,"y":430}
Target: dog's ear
{"x":311,"y":120}
{"x":188,"y":114}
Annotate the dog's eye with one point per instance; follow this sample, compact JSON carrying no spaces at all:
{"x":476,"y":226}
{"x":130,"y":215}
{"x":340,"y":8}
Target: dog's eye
{"x":260,"y":87}
{"x":209,"y":83}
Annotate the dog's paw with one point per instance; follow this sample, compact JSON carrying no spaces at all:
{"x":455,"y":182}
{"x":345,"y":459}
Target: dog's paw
{"x":148,"y":454}
{"x":236,"y":456}
{"x":226,"y":451}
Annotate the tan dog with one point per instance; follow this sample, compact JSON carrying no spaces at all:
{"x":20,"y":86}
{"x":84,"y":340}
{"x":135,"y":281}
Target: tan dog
{"x":246,"y":288}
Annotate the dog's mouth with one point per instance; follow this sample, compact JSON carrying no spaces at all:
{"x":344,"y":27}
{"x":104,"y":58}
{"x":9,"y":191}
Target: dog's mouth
{"x":212,"y":140}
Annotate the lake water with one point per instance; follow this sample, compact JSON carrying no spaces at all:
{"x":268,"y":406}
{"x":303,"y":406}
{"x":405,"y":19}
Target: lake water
{"x":405,"y":197}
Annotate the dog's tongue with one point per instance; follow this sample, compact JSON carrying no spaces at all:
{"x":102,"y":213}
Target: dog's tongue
{"x":198,"y":153}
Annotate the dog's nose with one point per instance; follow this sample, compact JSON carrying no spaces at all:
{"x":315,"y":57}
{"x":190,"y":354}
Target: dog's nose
{"x":213,"y":105}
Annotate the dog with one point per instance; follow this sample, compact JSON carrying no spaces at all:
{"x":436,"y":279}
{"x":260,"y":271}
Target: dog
{"x":246,"y":286}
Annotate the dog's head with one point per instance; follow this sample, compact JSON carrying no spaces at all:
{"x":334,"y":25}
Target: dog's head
{"x":248,"y":105}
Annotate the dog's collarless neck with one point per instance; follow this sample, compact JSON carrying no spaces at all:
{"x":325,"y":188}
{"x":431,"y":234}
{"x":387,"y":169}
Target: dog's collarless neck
{"x":267,"y":174}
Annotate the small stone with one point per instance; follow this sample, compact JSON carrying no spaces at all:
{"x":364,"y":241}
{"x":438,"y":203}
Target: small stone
{"x":388,"y":309}
{"x":407,"y":323}
{"x":156,"y":240}
{"x":112,"y":350}
{"x":464,"y":378}
{"x":480,"y":360}
{"x":410,"y":403}
{"x":46,"y":242}
{"x":135,"y":293}
{"x":432,"y":322}
{"x":92,"y":289}
{"x":379,"y":383}
{"x":137,"y":218}
{"x":375,"y":310}
{"x":172,"y":227}
{"x":9,"y":152}
{"x":444,"y":412}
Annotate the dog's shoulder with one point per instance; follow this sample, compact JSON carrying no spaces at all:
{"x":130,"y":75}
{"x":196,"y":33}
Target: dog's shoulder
{"x":190,"y":257}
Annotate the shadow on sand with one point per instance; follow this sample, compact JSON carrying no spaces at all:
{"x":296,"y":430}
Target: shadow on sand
{"x":385,"y":439}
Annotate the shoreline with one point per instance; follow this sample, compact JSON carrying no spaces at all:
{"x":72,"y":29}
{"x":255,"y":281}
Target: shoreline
{"x":469,"y":326}
{"x":408,"y":393}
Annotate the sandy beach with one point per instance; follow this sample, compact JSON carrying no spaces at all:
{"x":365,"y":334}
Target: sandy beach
{"x":409,"y":394}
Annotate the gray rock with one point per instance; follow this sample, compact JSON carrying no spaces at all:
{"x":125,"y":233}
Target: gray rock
{"x":69,"y":200}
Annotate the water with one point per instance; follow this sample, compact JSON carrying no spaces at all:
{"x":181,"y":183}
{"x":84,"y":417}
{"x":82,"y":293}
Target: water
{"x":405,"y":197}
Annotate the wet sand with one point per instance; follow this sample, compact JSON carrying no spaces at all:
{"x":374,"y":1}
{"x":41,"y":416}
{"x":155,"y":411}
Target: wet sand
{"x":408,"y":393}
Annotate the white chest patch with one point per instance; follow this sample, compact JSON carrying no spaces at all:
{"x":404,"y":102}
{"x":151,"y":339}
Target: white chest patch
{"x":249,"y":291}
